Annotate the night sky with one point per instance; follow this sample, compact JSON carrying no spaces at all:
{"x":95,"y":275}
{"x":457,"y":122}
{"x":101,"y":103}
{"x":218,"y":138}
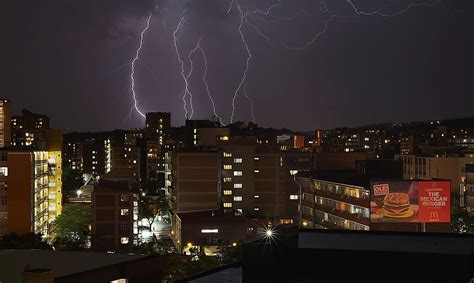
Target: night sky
{"x":71,"y":61}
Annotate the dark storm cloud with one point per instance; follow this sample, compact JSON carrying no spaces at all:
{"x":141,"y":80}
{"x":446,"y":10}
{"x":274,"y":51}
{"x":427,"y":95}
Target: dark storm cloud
{"x":70,"y":60}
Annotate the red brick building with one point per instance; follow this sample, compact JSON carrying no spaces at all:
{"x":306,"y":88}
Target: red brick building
{"x":114,"y":216}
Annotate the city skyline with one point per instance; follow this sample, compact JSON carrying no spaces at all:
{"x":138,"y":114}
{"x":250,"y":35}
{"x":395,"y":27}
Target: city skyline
{"x":321,"y":86}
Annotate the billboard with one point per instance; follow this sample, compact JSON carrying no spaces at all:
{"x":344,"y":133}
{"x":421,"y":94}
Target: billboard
{"x":410,"y":201}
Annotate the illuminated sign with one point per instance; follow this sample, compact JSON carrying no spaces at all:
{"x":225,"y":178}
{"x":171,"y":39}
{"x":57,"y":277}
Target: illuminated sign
{"x":410,"y":201}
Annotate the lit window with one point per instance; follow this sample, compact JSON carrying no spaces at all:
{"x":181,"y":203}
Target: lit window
{"x":256,"y":196}
{"x":293,"y":172}
{"x":257,"y":171}
{"x":134,"y":162}
{"x":237,"y":173}
{"x":256,"y":209}
{"x":238,"y":198}
{"x":124,"y":211}
{"x":293,"y":196}
{"x":227,"y":192}
{"x":224,"y":138}
{"x":227,"y":154}
{"x":205,"y":231}
{"x":237,"y":186}
{"x":124,"y":240}
{"x":227,"y":179}
{"x":237,"y":160}
{"x":256,"y":158}
{"x":227,"y":166}
{"x":227,"y":204}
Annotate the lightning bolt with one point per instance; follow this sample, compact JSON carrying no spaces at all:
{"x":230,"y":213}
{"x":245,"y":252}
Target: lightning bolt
{"x":230,"y":6}
{"x":251,"y":104}
{"x":132,"y":74}
{"x":247,"y":64}
{"x":380,"y":13}
{"x":189,"y":75}
{"x":260,"y":15}
{"x":204,"y":80}
{"x":181,"y":62}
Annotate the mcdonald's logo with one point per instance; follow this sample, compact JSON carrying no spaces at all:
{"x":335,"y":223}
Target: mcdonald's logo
{"x":434,"y":214}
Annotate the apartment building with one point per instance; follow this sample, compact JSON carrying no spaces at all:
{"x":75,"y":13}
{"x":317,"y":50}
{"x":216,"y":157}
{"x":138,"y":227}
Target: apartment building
{"x":34,"y":196}
{"x":469,"y":188}
{"x":427,"y":168}
{"x":28,"y":129}
{"x":5,"y":123}
{"x":193,"y":180}
{"x":114,"y":216}
{"x":334,"y":200}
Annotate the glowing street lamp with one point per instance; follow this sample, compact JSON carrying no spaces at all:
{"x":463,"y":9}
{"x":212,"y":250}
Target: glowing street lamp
{"x":269,"y":233}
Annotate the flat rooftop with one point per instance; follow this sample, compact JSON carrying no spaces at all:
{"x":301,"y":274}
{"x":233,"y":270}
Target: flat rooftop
{"x":387,"y":241}
{"x":13,"y":262}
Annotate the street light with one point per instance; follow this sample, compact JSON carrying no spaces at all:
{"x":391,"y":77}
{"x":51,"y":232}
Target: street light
{"x":269,"y":233}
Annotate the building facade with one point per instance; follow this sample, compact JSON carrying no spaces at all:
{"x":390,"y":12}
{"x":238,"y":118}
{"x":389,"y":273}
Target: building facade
{"x":326,"y":202}
{"x":427,"y":168}
{"x":5,"y":123}
{"x":114,"y":216}
{"x":193,"y":181}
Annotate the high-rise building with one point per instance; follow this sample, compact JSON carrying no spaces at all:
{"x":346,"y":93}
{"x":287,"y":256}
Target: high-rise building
{"x":28,"y":129}
{"x":34,"y":196}
{"x":34,"y":181}
{"x":158,"y":126}
{"x":191,"y":130}
{"x":120,"y":155}
{"x":194,"y":181}
{"x":5,"y":123}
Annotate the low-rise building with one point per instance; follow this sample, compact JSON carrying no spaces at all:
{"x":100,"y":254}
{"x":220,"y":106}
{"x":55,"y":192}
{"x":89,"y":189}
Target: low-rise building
{"x":208,"y":229}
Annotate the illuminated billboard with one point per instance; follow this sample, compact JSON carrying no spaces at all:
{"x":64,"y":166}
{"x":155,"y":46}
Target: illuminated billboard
{"x":410,"y":201}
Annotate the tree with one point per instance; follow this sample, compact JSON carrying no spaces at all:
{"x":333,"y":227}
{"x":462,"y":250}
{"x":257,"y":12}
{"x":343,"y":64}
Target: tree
{"x":230,"y":253}
{"x":461,"y":221}
{"x":71,"y":228}
{"x":151,"y":207}
{"x":179,"y":268}
{"x":154,"y":247}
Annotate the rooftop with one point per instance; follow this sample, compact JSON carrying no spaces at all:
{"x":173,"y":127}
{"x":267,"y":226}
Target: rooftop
{"x":341,"y":177}
{"x":13,"y":262}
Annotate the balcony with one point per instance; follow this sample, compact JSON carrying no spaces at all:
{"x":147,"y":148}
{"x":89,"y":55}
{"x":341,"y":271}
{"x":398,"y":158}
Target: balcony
{"x":306,"y":203}
{"x":343,"y":198}
{"x":344,"y":215}
{"x":327,"y":224}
